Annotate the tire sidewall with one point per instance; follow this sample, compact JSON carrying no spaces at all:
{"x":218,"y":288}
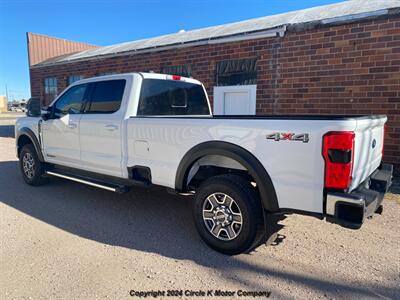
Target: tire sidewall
{"x":249,"y":227}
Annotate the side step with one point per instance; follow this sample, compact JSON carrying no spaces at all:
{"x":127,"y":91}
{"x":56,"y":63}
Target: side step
{"x":90,"y":181}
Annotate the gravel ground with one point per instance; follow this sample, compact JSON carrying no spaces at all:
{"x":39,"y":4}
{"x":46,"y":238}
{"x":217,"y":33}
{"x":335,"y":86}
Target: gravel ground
{"x":69,"y":241}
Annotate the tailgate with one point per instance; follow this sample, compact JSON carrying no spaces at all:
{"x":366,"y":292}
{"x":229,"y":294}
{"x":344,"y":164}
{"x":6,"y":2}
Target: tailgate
{"x":368,"y":148}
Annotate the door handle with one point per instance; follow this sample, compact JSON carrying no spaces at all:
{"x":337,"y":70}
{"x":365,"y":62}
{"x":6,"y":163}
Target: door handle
{"x":111,"y":127}
{"x":72,"y":125}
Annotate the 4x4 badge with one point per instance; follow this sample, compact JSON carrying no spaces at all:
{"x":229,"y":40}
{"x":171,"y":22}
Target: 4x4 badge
{"x":279,"y":136}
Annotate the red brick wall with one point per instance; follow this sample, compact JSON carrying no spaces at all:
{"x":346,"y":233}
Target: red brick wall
{"x":344,"y":69}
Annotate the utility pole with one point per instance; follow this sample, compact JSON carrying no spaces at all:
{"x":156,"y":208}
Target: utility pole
{"x":6,"y":92}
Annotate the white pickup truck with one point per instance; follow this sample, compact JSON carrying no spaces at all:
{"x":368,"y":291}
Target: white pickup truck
{"x":118,"y":131}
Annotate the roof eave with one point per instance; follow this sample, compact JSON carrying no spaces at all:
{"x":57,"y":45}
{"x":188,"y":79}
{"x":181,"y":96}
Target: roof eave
{"x":268,"y":32}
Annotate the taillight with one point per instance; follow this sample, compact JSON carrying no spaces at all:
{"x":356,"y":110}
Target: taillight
{"x":338,"y":152}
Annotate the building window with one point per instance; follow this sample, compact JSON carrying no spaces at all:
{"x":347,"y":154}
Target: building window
{"x":50,"y":89}
{"x":105,"y":73}
{"x":184,"y":70}
{"x":236,"y":72}
{"x":73,"y":78}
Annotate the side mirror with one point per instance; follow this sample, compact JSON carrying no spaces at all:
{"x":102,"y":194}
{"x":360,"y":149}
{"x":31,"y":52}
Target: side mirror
{"x":46,"y":113}
{"x":33,"y":107}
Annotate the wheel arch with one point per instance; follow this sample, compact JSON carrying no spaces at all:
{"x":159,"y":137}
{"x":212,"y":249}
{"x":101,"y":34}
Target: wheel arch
{"x":25,"y":134}
{"x":245,"y":158}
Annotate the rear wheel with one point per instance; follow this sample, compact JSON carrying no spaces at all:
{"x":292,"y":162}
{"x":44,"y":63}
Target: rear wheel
{"x":32,"y":168}
{"x":227,"y":213}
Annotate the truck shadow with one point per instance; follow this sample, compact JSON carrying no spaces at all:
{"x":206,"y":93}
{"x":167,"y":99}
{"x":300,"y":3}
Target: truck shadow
{"x":149,"y":220}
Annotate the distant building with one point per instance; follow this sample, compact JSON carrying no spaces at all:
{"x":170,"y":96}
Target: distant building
{"x":3,"y":104}
{"x":334,"y":59}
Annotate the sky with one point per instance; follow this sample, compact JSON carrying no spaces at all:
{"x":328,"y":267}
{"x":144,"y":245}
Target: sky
{"x":107,"y":22}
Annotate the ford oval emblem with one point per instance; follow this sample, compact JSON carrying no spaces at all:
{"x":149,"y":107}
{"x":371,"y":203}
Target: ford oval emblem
{"x":373,"y":144}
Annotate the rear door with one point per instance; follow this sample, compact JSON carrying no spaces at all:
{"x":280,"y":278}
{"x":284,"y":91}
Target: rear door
{"x":60,"y":133}
{"x":155,"y":142}
{"x":100,"y":128}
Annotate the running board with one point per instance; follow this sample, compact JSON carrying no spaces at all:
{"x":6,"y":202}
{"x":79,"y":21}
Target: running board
{"x":92,"y":182}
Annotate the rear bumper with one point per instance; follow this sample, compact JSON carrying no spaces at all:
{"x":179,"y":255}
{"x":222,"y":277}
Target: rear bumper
{"x":351,"y":209}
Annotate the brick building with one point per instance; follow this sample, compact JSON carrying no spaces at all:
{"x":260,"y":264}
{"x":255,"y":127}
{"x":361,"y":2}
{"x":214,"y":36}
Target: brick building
{"x":336,"y":59}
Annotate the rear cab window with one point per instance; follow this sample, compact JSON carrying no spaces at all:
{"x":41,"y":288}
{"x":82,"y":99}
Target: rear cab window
{"x":160,"y":97}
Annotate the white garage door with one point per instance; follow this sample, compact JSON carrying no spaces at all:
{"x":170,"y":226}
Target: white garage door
{"x":235,"y":100}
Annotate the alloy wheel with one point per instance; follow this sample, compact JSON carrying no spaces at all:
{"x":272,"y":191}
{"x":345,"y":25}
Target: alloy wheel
{"x":28,"y":165}
{"x":222,"y":216}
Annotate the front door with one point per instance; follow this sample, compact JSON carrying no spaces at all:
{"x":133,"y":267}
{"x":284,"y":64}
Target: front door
{"x":235,"y":100}
{"x":60,"y":133}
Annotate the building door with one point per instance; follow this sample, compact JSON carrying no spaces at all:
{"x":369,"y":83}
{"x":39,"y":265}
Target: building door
{"x":235,"y":100}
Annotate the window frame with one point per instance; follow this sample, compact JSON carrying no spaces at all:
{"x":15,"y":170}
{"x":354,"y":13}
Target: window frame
{"x":46,"y":85}
{"x":246,"y":67}
{"x":89,"y":96}
{"x":50,"y":83}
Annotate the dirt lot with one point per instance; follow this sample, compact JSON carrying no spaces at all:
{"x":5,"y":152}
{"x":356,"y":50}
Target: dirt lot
{"x":69,"y":241}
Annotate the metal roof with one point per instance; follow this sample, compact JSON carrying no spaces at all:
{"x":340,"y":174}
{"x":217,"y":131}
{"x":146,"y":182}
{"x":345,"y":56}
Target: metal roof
{"x":348,"y":10}
{"x":41,"y":47}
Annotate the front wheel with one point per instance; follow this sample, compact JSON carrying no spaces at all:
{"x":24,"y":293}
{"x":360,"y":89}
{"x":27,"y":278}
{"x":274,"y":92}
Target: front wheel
{"x":32,"y":168}
{"x":227,"y":213}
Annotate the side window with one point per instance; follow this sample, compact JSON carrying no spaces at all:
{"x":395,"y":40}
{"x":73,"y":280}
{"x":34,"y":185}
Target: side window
{"x":167,"y":97}
{"x":70,"y":102}
{"x":106,"y":96}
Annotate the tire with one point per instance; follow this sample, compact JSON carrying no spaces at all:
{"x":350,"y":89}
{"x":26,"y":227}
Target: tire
{"x":32,"y":168}
{"x":220,"y":227}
